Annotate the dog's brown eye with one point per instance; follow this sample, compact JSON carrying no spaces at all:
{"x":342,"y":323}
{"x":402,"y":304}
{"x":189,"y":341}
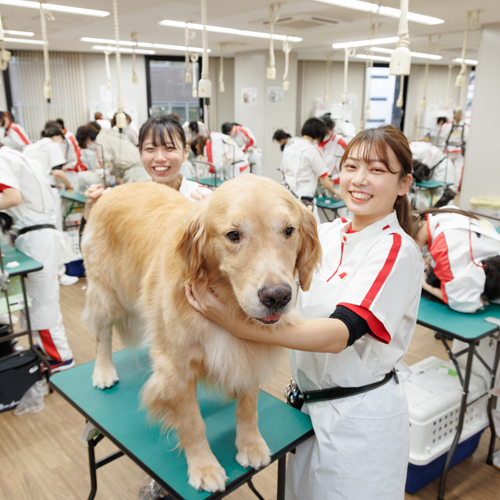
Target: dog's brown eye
{"x":289,"y":231}
{"x":233,"y":235}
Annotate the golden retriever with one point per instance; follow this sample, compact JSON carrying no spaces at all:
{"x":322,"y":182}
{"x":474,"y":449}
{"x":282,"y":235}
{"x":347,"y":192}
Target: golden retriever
{"x":250,"y":242}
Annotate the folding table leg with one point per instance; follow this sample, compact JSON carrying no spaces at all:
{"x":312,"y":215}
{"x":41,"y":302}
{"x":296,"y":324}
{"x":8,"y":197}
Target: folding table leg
{"x":92,"y":443}
{"x":281,"y":478}
{"x":491,"y":404}
{"x":461,"y":418}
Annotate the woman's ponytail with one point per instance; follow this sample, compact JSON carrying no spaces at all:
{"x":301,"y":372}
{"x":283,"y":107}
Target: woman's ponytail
{"x":404,"y":213}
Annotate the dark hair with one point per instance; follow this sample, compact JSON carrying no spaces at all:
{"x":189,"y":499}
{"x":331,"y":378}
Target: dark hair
{"x":86,"y":132}
{"x":314,"y":128}
{"x":53,"y":132}
{"x":174,"y":116}
{"x":492,"y":271}
{"x":226,"y":127}
{"x":9,"y":115}
{"x":441,"y":119}
{"x":98,"y":115}
{"x":280,"y":134}
{"x":95,"y":125}
{"x":193,"y":126}
{"x":198,"y":145}
{"x":52,"y":123}
{"x":113,"y":120}
{"x":327,"y":120}
{"x":61,"y":122}
{"x":379,"y":140}
{"x":162,"y":127}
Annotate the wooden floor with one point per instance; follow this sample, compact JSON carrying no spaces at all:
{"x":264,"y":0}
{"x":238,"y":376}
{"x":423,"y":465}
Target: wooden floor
{"x":42,"y":456}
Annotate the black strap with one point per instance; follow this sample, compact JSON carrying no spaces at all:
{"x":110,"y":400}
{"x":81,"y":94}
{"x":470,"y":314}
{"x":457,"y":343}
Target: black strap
{"x":343,"y":392}
{"x":25,"y":230}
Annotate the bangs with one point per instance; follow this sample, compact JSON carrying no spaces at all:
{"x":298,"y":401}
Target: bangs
{"x":164,"y":132}
{"x":371,"y":144}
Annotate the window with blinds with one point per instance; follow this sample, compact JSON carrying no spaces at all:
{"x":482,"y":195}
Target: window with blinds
{"x":27,"y":75}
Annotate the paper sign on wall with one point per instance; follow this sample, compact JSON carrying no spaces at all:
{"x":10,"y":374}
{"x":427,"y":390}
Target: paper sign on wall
{"x":275,"y":95}
{"x":249,"y":96}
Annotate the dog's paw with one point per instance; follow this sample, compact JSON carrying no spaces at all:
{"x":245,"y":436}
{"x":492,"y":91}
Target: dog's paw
{"x":103,"y":379}
{"x":210,"y":478}
{"x":256,"y":455}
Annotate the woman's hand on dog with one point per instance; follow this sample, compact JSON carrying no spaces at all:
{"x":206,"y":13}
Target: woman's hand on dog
{"x":92,"y":194}
{"x":206,"y":302}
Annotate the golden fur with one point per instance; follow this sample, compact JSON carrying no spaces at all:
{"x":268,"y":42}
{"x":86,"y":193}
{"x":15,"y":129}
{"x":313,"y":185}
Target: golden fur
{"x":142,"y":243}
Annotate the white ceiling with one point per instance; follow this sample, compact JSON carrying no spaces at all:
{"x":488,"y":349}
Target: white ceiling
{"x":143,"y":17}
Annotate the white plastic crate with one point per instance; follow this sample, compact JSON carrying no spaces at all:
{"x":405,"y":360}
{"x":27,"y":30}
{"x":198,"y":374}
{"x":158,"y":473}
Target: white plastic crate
{"x":434,"y":395}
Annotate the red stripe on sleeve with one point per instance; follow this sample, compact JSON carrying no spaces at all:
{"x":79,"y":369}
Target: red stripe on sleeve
{"x":342,"y":142}
{"x":377,"y":328}
{"x":21,"y":135}
{"x":245,"y":167}
{"x":250,"y":140}
{"x":4,"y":186}
{"x":79,"y":164}
{"x":384,"y":272}
{"x":209,"y":151}
{"x":442,"y":270}
{"x":324,"y":175}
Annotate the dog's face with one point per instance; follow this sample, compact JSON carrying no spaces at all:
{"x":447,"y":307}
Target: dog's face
{"x":255,"y":236}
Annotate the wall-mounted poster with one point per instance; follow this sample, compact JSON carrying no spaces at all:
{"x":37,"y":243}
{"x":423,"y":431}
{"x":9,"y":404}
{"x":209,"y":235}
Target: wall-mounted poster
{"x":275,"y":95}
{"x":249,"y":96}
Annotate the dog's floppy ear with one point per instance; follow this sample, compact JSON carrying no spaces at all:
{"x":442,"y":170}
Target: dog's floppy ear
{"x":310,"y":253}
{"x":193,"y":243}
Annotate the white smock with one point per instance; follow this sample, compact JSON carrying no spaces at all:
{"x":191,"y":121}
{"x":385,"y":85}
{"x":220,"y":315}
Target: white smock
{"x":332,"y":149}
{"x":227,"y":158}
{"x":16,"y":137}
{"x":361,"y":445}
{"x":454,"y":240}
{"x":192,"y":136}
{"x":188,"y":187}
{"x":44,"y":245}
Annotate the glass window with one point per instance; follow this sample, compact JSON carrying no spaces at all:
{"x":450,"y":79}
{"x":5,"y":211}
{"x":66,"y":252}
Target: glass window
{"x":168,"y":91}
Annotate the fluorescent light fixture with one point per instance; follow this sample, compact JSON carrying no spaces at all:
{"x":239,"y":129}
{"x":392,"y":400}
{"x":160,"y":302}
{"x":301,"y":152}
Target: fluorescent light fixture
{"x":19,"y":33}
{"x":56,"y":8}
{"x":366,"y":43}
{"x":470,"y":62}
{"x":382,"y":11}
{"x":228,"y":31}
{"x":434,"y":57}
{"x":373,"y":58}
{"x":123,"y":50}
{"x":21,"y":40}
{"x":142,"y":44}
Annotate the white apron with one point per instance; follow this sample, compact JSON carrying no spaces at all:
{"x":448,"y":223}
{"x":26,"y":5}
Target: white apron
{"x":361,"y":445}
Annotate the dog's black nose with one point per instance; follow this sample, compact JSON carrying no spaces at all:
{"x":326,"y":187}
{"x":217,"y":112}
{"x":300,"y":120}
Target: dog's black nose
{"x":275,"y":297}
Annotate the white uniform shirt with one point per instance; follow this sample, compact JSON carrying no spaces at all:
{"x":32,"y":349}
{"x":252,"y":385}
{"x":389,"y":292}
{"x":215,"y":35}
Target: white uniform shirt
{"x":301,"y":166}
{"x":462,"y":281}
{"x":49,"y":155}
{"x":432,"y":156}
{"x":104,"y":124}
{"x":188,"y":187}
{"x":453,"y":136}
{"x":332,"y":149}
{"x":378,"y":269}
{"x":73,"y":153}
{"x":16,"y":137}
{"x":244,"y":137}
{"x":225,"y":154}
{"x":37,"y":205}
{"x":191,"y":136}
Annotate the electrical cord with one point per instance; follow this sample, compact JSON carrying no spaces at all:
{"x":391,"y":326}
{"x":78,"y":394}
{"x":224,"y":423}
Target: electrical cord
{"x":47,"y":89}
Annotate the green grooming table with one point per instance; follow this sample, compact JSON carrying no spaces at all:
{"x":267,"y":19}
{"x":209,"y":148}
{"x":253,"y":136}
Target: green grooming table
{"x":73,"y":200}
{"x":117,"y":414}
{"x":430,"y":184}
{"x":469,"y":328}
{"x":18,"y":298}
{"x":326,"y":203}
{"x":208,"y":181}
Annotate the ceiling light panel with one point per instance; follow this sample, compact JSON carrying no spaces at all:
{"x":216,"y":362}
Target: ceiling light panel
{"x":382,"y":11}
{"x":433,"y":57}
{"x":56,"y":8}
{"x":21,"y":40}
{"x":228,"y":31}
{"x":123,"y":50}
{"x":470,"y":62}
{"x":373,"y":58}
{"x":19,"y":33}
{"x":142,"y":44}
{"x":366,"y":43}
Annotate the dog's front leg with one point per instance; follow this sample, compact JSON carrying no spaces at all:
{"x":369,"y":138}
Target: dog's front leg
{"x":173,"y":399}
{"x":252,"y":449}
{"x":105,"y":374}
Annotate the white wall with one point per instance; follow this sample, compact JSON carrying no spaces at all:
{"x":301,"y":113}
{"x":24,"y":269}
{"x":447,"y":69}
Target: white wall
{"x":94,"y":70}
{"x":435,"y":97}
{"x":264,"y":118}
{"x":312,"y":76}
{"x":222,"y":102}
{"x":482,"y":173}
{"x":3,"y":98}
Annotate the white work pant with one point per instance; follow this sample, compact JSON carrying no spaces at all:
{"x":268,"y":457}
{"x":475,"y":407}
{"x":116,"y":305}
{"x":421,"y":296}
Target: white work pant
{"x":58,"y":209}
{"x":360,"y":450}
{"x":46,"y":246}
{"x":458,"y":162}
